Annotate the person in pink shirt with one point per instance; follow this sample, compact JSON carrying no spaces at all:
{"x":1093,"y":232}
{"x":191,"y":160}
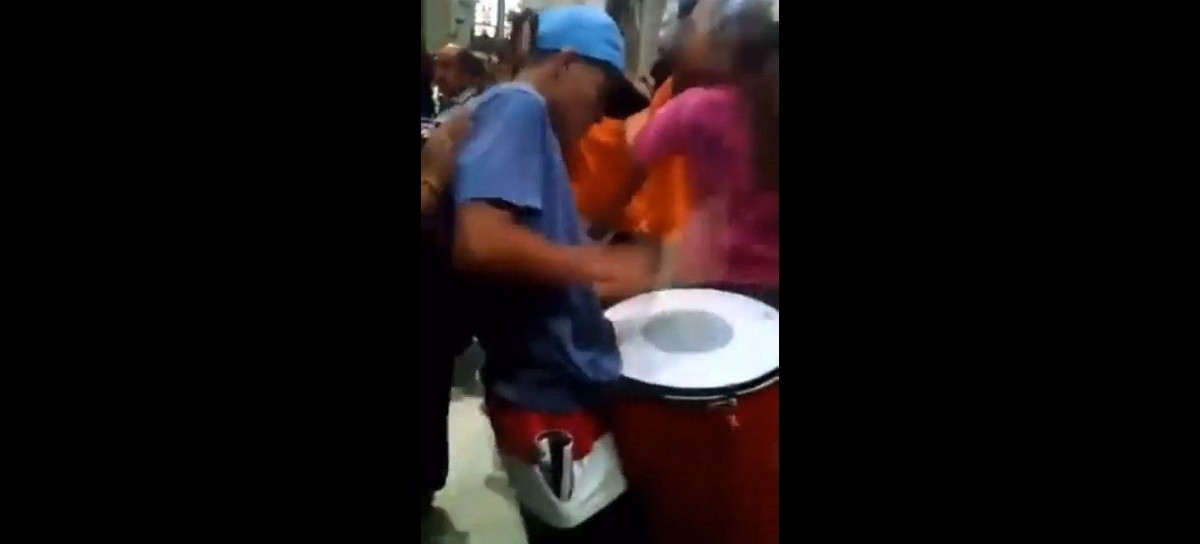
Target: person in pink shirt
{"x":729,"y":129}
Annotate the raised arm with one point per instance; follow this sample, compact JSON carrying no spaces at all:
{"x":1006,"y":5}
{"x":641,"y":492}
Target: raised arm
{"x":665,"y":132}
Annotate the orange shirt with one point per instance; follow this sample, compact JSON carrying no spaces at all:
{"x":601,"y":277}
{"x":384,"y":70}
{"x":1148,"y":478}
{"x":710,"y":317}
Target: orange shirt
{"x":661,"y":207}
{"x":602,"y":164}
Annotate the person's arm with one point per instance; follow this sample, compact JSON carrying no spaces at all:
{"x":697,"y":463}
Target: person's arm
{"x":643,"y":262}
{"x":438,"y":158}
{"x":605,"y":176}
{"x":490,"y":241}
{"x":654,"y":136}
{"x":629,"y":188}
{"x":665,"y":131}
{"x":500,"y":179}
{"x":431,"y":194}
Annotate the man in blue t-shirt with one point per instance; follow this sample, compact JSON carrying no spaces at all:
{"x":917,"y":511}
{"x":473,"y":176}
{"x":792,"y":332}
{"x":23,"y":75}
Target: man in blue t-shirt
{"x":551,"y":354}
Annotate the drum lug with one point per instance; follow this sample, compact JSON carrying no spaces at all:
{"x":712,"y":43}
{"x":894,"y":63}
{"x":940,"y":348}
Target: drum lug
{"x":729,"y":407}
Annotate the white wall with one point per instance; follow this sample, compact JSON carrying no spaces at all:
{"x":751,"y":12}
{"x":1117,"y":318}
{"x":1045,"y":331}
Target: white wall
{"x":439,"y":28}
{"x":465,"y":11}
{"x":437,"y":22}
{"x":435,"y":16}
{"x":650,"y":22}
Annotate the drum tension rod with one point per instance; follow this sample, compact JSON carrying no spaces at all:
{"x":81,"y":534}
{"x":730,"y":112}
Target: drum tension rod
{"x":729,"y":406}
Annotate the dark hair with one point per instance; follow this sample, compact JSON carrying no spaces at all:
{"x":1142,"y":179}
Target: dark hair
{"x":538,"y":56}
{"x":471,"y":65}
{"x":660,"y":71}
{"x":755,"y":61}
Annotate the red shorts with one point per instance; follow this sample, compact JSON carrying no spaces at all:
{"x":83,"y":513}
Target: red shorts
{"x":563,"y":467}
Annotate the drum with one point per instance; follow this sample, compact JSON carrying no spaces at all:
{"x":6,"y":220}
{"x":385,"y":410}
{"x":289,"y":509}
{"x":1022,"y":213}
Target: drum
{"x":697,"y":423}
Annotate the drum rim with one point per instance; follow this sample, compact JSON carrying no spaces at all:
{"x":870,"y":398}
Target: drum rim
{"x":638,"y":388}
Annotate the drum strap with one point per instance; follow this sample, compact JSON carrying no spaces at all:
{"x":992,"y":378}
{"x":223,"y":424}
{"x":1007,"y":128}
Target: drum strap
{"x":555,"y":462}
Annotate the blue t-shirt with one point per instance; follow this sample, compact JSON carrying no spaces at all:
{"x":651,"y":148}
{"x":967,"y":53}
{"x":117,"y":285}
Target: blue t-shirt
{"x":548,"y":348}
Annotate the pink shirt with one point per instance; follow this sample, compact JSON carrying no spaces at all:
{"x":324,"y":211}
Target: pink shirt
{"x":735,"y":223}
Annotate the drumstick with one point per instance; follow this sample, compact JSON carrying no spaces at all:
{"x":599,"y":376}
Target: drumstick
{"x":666,"y":265}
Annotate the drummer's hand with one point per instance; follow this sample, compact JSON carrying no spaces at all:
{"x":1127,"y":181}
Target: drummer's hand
{"x":629,"y":271}
{"x":634,"y":125}
{"x":438,"y":157}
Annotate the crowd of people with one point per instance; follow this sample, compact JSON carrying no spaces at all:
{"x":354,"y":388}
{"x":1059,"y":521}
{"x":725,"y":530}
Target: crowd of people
{"x":552,"y":187}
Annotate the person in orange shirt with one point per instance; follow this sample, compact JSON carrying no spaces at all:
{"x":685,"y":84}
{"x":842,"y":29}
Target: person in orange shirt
{"x":609,"y":191}
{"x":655,"y":205}
{"x":659,"y":208}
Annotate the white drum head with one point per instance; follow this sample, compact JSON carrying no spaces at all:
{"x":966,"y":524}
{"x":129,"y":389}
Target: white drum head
{"x":696,"y":338}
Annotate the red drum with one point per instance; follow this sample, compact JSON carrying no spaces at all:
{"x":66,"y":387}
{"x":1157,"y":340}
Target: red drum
{"x":697,"y":425}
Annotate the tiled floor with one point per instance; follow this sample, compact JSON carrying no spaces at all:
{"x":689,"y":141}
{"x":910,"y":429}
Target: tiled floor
{"x":476,"y":506}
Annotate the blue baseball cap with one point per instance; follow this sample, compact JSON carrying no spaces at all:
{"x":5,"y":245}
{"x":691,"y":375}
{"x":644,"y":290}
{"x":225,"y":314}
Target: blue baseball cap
{"x":588,"y":31}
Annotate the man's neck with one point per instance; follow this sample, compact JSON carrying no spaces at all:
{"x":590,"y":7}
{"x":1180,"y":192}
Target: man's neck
{"x":534,"y":80}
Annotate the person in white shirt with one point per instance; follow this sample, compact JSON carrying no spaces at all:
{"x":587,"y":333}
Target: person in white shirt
{"x":459,"y":76}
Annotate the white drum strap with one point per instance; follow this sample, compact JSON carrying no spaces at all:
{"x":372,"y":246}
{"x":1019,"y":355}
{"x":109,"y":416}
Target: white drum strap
{"x":596,"y":481}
